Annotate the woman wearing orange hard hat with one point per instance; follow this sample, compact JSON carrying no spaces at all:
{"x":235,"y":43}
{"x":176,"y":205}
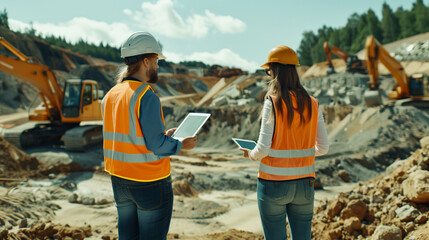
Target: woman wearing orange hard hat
{"x":292,"y":133}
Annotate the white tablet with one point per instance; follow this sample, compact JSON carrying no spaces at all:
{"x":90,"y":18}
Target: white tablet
{"x":190,"y":125}
{"x":243,"y":143}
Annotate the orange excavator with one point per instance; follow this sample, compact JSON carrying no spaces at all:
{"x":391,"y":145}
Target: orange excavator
{"x":354,"y":64}
{"x":62,"y":114}
{"x":409,"y":90}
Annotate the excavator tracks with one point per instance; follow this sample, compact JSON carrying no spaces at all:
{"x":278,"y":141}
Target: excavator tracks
{"x":80,"y":137}
{"x":71,"y":137}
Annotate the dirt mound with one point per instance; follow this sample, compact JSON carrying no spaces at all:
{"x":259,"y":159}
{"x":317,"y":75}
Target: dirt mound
{"x":104,"y":75}
{"x":16,"y":165}
{"x":320,"y":69}
{"x":229,"y":235}
{"x":334,"y":114}
{"x":182,"y":185}
{"x":179,"y":84}
{"x":396,"y":202}
{"x":49,"y":231}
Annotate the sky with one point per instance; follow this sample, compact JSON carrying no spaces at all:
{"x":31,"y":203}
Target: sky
{"x":233,"y":33}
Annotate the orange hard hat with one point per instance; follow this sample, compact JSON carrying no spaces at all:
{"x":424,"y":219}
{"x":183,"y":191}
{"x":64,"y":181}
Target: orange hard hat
{"x":282,"y":54}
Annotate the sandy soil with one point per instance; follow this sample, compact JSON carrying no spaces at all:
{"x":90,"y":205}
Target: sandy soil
{"x":224,"y":201}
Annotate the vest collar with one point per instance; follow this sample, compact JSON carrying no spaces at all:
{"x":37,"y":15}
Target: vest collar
{"x":130,"y":79}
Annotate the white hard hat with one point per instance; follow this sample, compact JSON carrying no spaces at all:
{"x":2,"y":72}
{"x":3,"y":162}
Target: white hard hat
{"x":141,"y":43}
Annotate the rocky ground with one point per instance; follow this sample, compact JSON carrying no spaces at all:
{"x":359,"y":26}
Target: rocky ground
{"x":215,"y":187}
{"x":391,"y":206}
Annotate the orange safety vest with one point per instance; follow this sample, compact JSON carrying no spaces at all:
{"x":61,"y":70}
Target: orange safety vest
{"x":292,"y":151}
{"x":125,"y":152}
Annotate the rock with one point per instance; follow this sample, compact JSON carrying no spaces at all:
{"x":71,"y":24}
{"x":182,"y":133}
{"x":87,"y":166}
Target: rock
{"x":377,"y":199}
{"x":100,"y":201}
{"x":355,"y":208}
{"x":368,"y":230}
{"x":219,"y":101}
{"x":184,"y":188}
{"x":23,"y":223}
{"x":73,"y":198}
{"x":424,"y":142}
{"x":416,"y":186}
{"x":88,"y":200}
{"x":344,"y":175}
{"x":407,"y":213}
{"x":352,"y":224}
{"x":384,"y":232}
{"x":409,"y":227}
{"x":78,"y":235}
{"x":335,"y":233}
{"x":48,"y":231}
{"x":335,"y":207}
{"x":394,"y":166}
{"x":317,"y":184}
{"x":370,"y":215}
{"x":421,"y":219}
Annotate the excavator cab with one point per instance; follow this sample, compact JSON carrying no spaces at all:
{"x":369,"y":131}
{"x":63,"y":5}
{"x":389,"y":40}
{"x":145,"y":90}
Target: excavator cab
{"x":354,"y":64}
{"x":81,"y":101}
{"x":419,"y":85}
{"x":71,"y":99}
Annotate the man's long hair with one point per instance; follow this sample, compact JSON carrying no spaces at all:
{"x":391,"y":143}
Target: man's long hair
{"x":284,"y":85}
{"x":131,"y":68}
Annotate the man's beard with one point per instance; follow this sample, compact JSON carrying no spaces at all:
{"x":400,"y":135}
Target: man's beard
{"x":153,"y":76}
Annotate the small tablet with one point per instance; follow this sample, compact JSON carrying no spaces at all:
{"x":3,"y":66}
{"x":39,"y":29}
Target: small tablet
{"x":243,"y":143}
{"x":190,"y":125}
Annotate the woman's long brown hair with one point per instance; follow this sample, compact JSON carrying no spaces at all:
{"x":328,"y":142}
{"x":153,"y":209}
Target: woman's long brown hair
{"x":284,"y":85}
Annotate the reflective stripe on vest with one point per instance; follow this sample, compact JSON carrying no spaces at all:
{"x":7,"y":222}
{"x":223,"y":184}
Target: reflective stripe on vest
{"x":132,"y":136}
{"x":292,"y":153}
{"x":287,"y":171}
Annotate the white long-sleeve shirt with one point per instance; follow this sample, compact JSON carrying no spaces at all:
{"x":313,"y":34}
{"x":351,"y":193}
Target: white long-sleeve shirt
{"x":265,"y":139}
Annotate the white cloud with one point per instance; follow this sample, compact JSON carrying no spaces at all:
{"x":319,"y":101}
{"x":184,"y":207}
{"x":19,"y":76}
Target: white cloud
{"x":79,"y":28}
{"x":224,"y":57}
{"x":128,"y":12}
{"x":161,"y":17}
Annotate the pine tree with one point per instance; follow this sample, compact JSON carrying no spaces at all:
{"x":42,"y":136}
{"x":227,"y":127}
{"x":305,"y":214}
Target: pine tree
{"x":421,"y":13}
{"x":406,"y":22}
{"x":304,"y":50}
{"x":374,"y":25}
{"x":389,"y":25}
{"x":4,"y":20}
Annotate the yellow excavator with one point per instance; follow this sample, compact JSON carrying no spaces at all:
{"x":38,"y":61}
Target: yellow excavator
{"x":353,"y":63}
{"x":409,"y":90}
{"x":62,"y":113}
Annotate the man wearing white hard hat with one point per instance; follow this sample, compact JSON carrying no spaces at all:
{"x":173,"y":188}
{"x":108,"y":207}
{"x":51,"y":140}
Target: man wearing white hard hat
{"x":136,"y":147}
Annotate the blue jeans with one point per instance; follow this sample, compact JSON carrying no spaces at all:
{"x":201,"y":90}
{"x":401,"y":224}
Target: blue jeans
{"x":144,"y":208}
{"x":293,"y":199}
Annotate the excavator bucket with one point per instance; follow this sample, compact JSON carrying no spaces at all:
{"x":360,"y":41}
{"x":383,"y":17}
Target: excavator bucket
{"x":372,"y":98}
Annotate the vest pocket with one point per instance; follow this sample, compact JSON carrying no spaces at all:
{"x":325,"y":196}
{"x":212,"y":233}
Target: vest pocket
{"x":148,"y":196}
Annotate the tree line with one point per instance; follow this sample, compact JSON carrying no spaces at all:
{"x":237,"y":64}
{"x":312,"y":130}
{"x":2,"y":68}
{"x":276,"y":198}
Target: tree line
{"x":394,"y":25}
{"x":351,"y":38}
{"x":102,"y":50}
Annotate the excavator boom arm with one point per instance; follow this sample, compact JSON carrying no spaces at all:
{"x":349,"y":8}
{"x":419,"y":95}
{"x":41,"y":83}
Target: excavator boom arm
{"x":375,"y":51}
{"x":37,"y":75}
{"x":335,"y":50}
{"x":15,"y":51}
